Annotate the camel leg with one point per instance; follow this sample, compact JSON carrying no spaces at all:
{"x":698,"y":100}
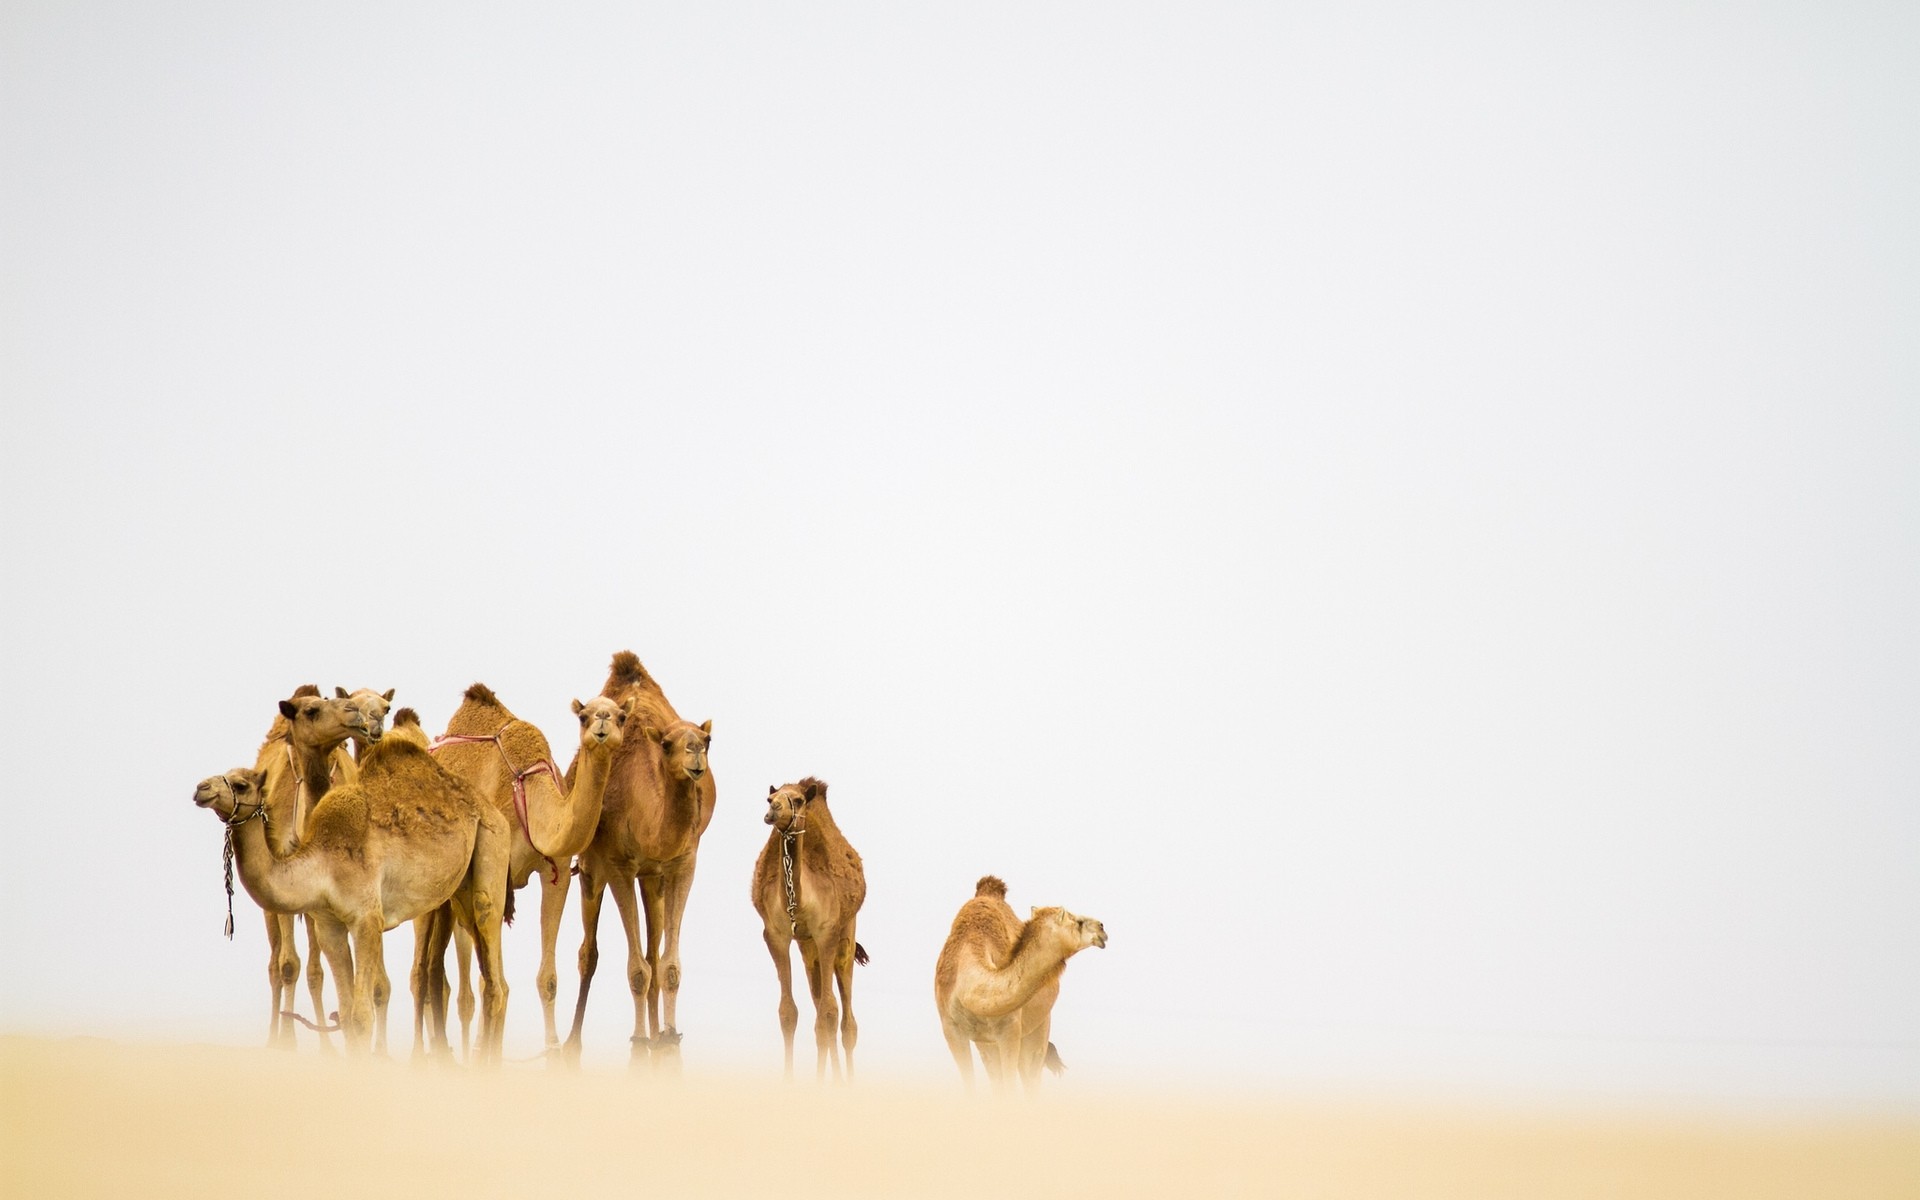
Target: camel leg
{"x":334,"y":945}
{"x":436,"y":981}
{"x":779,"y":947}
{"x":655,"y":904}
{"x":487,"y":884}
{"x":826,"y":1014}
{"x":592,"y":891}
{"x":1033,"y":1054}
{"x":281,"y":975}
{"x":553,"y":906}
{"x":417,"y":982}
{"x":369,"y":964}
{"x":843,"y":973}
{"x":316,"y":978}
{"x":639,"y":974}
{"x":961,"y":1049}
{"x":463,"y":955}
{"x":674,"y":889}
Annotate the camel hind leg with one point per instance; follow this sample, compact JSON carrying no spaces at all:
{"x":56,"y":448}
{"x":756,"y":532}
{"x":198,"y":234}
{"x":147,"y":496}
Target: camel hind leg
{"x":961,"y":1047}
{"x":843,"y":974}
{"x":487,"y":886}
{"x":463,"y":956}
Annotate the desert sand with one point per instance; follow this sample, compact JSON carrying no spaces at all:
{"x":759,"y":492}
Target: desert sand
{"x":89,"y":1117}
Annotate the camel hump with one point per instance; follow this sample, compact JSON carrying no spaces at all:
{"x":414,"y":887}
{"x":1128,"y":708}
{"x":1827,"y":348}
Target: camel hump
{"x":626,"y":669}
{"x":406,"y":716}
{"x":306,"y":689}
{"x":480,"y":693}
{"x":990,"y":885}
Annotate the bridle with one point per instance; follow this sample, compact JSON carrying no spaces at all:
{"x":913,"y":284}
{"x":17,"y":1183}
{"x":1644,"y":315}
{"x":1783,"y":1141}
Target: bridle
{"x":226,"y":851}
{"x":788,"y":837}
{"x":519,"y":780}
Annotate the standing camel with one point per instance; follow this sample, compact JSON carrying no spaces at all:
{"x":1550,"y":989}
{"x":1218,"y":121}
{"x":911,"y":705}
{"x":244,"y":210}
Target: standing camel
{"x":402,"y":840}
{"x":302,"y":757}
{"x":507,"y":760}
{"x":997,"y":979}
{"x":808,"y":886}
{"x":659,"y":800}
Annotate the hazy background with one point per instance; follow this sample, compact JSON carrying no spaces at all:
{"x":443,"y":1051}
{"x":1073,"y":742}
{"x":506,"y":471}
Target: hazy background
{"x":1408,"y":514}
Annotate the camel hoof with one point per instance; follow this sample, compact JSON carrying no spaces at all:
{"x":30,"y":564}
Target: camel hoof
{"x":667,"y":1037}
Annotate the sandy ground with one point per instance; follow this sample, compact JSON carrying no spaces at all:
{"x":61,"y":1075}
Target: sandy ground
{"x":86,"y":1117}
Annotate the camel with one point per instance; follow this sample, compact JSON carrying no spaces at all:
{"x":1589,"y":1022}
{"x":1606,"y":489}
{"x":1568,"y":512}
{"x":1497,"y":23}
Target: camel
{"x":302,"y":757}
{"x":659,"y":799}
{"x":809,"y":888}
{"x":552,"y":818}
{"x":997,"y":979}
{"x":400,"y":841}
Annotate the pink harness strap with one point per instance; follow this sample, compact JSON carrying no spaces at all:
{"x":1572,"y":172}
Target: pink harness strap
{"x":519,"y":780}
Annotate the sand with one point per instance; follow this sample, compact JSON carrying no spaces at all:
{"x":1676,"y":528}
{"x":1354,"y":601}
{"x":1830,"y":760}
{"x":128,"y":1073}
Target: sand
{"x":87,"y":1117}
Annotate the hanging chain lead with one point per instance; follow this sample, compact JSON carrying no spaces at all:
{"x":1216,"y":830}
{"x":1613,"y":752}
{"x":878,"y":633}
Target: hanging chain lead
{"x":786,"y":865}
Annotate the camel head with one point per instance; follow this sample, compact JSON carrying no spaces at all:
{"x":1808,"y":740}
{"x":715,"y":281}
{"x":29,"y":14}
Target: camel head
{"x":601,"y":721}
{"x":225,"y":794}
{"x":371,"y":707}
{"x":1076,"y":932}
{"x":787,"y":806}
{"x":320,"y":722}
{"x":683,"y":747}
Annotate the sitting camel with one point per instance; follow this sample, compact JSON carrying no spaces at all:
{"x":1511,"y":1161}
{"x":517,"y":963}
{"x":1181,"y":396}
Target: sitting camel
{"x":997,"y":979}
{"x":810,"y":889}
{"x":552,"y":817}
{"x":401,"y":841}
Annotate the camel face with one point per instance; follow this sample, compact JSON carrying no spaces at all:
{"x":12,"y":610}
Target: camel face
{"x":684,"y":749}
{"x":225,"y":793}
{"x":371,"y":707}
{"x":320,"y":721}
{"x":1075,"y":931}
{"x":602,"y":721}
{"x":786,"y":808}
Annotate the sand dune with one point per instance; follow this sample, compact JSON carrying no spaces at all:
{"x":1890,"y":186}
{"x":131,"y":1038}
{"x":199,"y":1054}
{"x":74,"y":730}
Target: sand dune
{"x":85,"y":1117}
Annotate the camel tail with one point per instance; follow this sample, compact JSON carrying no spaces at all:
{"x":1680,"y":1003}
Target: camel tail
{"x":990,"y":885}
{"x":506,"y":912}
{"x":859,"y":954}
{"x":1053,"y":1060}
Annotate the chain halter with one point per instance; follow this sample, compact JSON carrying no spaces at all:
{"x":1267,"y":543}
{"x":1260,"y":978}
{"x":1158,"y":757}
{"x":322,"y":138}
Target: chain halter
{"x":788,"y":837}
{"x":226,"y":851}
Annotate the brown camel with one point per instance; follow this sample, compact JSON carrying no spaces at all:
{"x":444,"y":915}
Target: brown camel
{"x":997,"y":979}
{"x":302,"y":757}
{"x":552,"y":818}
{"x":402,"y":840}
{"x":808,"y":886}
{"x":659,"y":800}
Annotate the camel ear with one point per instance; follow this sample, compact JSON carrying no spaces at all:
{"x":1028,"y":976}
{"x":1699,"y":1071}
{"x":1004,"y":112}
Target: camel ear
{"x":577,"y":706}
{"x":652,"y":734}
{"x":341,"y":693}
{"x":1032,"y":913}
{"x":771,"y":790}
{"x":706,"y":731}
{"x":626,"y":710}
{"x":813,"y":792}
{"x":287,"y":709}
{"x":388,"y":695}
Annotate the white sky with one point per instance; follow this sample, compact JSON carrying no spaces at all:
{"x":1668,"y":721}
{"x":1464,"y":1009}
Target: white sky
{"x":1408,"y":514}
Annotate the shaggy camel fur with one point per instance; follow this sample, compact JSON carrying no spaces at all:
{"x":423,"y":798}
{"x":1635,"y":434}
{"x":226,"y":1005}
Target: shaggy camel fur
{"x":808,"y":885}
{"x":302,"y":757}
{"x":553,"y":819}
{"x":997,"y":979}
{"x":400,"y":841}
{"x":659,"y":800}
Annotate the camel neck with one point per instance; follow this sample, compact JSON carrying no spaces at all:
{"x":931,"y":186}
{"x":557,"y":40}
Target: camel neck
{"x":1036,"y":962}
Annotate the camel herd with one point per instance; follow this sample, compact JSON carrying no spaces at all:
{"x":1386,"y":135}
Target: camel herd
{"x":357,"y":827}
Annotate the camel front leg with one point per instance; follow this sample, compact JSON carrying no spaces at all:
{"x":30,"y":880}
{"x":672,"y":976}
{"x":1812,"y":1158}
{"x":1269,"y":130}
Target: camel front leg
{"x":655,"y":905}
{"x":592,"y":891}
{"x":283,"y":968}
{"x":333,"y":939}
{"x":826,"y":1013}
{"x":316,"y":980}
{"x":369,"y":966}
{"x":961,"y":1047}
{"x":553,"y":906}
{"x":674,"y":888}
{"x":428,"y":983}
{"x":1033,"y":1053}
{"x":780,"y":947}
{"x":639,"y":974}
